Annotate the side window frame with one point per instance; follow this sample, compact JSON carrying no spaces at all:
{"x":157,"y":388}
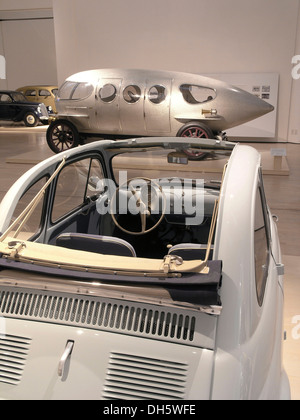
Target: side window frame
{"x":192,"y":97}
{"x":261,"y":270}
{"x":40,"y":209}
{"x":44,"y":93}
{"x":30,"y":92}
{"x":85,"y":199}
{"x":68,"y":89}
{"x":7,"y":99}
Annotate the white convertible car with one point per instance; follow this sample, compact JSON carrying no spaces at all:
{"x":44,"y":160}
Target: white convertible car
{"x":141,"y":269}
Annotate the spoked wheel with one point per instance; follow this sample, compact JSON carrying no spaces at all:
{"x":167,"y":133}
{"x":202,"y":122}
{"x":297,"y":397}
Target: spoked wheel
{"x":195,"y":130}
{"x":62,"y":135}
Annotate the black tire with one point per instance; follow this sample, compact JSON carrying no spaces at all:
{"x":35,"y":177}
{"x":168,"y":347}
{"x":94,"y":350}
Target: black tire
{"x":196,"y":130}
{"x":30,"y":119}
{"x":62,"y":135}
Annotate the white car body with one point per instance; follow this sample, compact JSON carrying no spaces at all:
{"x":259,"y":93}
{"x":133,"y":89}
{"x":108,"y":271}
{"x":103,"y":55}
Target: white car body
{"x":79,"y":338}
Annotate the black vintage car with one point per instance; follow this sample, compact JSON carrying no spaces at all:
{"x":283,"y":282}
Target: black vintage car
{"x":15,"y":107}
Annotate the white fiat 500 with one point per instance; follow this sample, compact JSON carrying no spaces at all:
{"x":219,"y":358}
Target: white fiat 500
{"x":141,"y":269}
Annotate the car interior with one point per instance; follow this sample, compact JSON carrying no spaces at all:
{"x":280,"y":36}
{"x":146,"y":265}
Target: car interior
{"x":149,"y":215}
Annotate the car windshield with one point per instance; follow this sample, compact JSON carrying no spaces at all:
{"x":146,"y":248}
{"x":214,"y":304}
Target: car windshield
{"x":18,"y":97}
{"x":159,"y":163}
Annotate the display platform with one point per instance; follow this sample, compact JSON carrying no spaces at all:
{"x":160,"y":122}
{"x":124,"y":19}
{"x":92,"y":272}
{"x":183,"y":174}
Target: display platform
{"x":274,"y":165}
{"x":32,"y":157}
{"x":12,"y":127}
{"x":271,"y":165}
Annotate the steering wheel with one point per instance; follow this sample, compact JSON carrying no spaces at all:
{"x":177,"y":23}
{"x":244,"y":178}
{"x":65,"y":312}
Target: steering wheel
{"x":144,"y":200}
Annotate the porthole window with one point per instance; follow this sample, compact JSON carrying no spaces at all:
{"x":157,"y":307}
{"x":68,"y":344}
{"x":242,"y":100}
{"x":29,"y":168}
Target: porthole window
{"x":194,"y":94}
{"x":157,"y":94}
{"x":132,"y":94}
{"x":108,"y":93}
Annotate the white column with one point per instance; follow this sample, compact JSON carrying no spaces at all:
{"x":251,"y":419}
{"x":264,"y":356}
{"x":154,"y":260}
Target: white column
{"x":294,"y":120}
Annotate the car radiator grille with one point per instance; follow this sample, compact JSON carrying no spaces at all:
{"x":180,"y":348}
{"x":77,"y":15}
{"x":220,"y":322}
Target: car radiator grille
{"x":13,"y":355}
{"x":99,"y":313}
{"x":137,"y":377}
{"x":44,"y":110}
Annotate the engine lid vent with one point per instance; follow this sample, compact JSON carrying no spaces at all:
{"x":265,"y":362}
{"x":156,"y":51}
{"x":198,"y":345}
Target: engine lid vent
{"x":13,"y":356}
{"x":100,"y":313}
{"x":136,"y":377}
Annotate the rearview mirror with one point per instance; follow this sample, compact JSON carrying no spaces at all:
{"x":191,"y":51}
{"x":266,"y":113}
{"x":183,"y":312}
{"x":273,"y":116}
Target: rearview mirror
{"x":178,"y":157}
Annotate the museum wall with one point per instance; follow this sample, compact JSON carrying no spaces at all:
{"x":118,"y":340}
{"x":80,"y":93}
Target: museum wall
{"x":27,"y":43}
{"x":30,"y":57}
{"x":294,"y":124}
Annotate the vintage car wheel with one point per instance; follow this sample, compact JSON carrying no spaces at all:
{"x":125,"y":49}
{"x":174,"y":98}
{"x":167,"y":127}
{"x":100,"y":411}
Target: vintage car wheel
{"x":30,"y":119}
{"x":145,"y":207}
{"x":196,"y":130}
{"x":62,"y":135}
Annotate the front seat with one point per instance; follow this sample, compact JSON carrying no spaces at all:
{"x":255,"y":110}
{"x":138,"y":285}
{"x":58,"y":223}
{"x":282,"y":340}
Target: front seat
{"x":96,"y":243}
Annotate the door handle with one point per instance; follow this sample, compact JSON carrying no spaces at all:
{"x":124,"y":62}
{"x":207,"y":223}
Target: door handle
{"x":66,"y":354}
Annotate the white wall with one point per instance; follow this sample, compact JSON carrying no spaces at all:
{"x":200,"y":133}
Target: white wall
{"x":27,"y":42}
{"x":294,"y":122}
{"x":30,"y":56}
{"x":10,"y":5}
{"x":200,"y":36}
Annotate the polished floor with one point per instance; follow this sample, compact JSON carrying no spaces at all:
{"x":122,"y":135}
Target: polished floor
{"x":21,"y":147}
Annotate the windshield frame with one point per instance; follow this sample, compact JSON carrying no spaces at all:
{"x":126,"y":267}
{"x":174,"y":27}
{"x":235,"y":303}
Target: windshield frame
{"x":166,"y":267}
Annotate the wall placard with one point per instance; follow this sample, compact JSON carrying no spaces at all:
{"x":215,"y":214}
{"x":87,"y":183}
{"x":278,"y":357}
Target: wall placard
{"x":262,"y":85}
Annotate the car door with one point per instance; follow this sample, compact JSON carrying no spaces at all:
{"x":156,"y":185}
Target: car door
{"x":31,"y":95}
{"x":44,"y":96}
{"x":132,"y":98}
{"x":157,"y":106}
{"x":5,"y":106}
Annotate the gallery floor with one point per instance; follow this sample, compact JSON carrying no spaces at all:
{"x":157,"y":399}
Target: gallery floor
{"x":21,"y":148}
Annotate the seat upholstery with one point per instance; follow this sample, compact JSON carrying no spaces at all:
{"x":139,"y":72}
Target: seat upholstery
{"x":189,"y":251}
{"x":96,"y":243}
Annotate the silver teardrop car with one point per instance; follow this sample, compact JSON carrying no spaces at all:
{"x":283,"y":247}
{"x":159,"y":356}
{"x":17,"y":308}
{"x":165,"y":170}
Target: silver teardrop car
{"x":121,"y":103}
{"x":129,"y":270}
